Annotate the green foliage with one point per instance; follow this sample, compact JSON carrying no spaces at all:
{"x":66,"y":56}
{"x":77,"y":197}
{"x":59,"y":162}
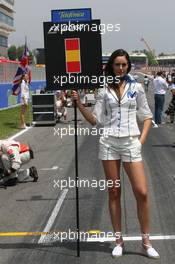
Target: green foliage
{"x":20,"y":51}
{"x":12,"y":54}
{"x":17,"y":52}
{"x":31,"y":56}
{"x":151,"y":59}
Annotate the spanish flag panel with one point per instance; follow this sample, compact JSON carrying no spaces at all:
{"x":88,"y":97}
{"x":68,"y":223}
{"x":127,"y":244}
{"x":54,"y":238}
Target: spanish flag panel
{"x":72,"y":52}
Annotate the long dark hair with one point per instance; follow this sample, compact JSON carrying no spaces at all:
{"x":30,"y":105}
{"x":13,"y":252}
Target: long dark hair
{"x":109,"y":66}
{"x":22,"y":77}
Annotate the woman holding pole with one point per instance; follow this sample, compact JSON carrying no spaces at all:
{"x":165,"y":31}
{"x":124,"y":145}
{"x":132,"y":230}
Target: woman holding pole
{"x":116,"y":109}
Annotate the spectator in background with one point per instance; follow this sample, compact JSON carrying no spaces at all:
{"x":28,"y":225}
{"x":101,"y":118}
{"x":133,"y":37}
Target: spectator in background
{"x":43,"y":90}
{"x":171,"y":107}
{"x":24,"y":99}
{"x":173,"y":78}
{"x":61,"y":102}
{"x":146,"y":83}
{"x":83,"y":97}
{"x":164,"y":74}
{"x":160,"y":87}
{"x":168,"y":78}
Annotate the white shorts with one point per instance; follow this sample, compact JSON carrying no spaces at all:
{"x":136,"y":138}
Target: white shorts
{"x":126,"y":149}
{"x":24,"y":100}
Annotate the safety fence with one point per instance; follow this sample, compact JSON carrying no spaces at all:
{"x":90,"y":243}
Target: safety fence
{"x":8,"y":70}
{"x":8,"y":100}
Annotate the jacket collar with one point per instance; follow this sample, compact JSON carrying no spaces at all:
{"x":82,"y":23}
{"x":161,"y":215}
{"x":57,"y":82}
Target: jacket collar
{"x":127,"y":86}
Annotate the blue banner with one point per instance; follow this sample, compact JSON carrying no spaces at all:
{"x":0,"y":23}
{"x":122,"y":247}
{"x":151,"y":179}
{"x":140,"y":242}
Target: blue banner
{"x":9,"y":100}
{"x":66,"y":15}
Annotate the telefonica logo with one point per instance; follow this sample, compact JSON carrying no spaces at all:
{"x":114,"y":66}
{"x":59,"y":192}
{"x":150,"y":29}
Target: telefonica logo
{"x":71,"y":14}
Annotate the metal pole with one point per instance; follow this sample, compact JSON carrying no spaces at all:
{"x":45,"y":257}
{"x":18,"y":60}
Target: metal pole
{"x":76,"y":178}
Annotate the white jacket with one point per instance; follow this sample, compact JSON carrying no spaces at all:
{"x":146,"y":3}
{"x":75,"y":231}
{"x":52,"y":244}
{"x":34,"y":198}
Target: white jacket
{"x":120,"y":119}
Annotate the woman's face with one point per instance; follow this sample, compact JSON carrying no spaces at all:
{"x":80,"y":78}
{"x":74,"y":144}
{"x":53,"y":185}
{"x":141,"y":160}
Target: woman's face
{"x":120,"y":66}
{"x":25,"y":78}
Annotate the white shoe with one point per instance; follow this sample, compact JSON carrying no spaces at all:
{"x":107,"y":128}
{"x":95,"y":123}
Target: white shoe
{"x":118,"y":250}
{"x":24,"y":127}
{"x":151,"y":252}
{"x":155,"y":125}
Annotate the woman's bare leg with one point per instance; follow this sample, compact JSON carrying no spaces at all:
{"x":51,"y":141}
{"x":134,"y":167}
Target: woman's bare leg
{"x":112,"y":172}
{"x":136,"y":174}
{"x":22,"y":115}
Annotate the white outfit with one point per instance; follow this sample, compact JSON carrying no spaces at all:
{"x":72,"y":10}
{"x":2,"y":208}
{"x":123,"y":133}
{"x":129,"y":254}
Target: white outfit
{"x":24,"y":92}
{"x":119,"y":121}
{"x":128,"y":149}
{"x":60,"y":109}
{"x":13,"y":158}
{"x":120,"y":118}
{"x":160,"y":85}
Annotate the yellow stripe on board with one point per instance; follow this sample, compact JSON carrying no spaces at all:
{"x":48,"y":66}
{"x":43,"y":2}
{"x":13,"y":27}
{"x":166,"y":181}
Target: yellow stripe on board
{"x":72,"y":55}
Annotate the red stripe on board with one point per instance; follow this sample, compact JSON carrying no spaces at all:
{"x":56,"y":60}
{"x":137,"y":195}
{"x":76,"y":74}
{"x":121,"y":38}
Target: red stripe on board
{"x":73,"y":66}
{"x":72,"y":44}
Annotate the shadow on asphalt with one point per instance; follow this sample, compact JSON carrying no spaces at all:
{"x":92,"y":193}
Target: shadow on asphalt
{"x":163,"y":146}
{"x":84,"y":247}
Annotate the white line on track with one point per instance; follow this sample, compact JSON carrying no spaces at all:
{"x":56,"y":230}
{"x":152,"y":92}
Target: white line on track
{"x":130,"y":238}
{"x":105,"y":239}
{"x":19,"y":133}
{"x":49,"y":169}
{"x":53,"y":215}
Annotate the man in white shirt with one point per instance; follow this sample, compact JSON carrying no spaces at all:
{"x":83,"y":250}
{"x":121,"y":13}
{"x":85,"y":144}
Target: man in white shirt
{"x":160,"y":88}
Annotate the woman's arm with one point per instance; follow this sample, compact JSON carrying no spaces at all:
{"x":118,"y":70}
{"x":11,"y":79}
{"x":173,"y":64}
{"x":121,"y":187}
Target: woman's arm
{"x":86,"y":113}
{"x":146,"y":127}
{"x":144,"y":113}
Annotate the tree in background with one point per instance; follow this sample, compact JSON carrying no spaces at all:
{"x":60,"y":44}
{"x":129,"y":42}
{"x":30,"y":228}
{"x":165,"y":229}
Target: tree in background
{"x":12,"y":53}
{"x":151,"y":58}
{"x":17,"y":52}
